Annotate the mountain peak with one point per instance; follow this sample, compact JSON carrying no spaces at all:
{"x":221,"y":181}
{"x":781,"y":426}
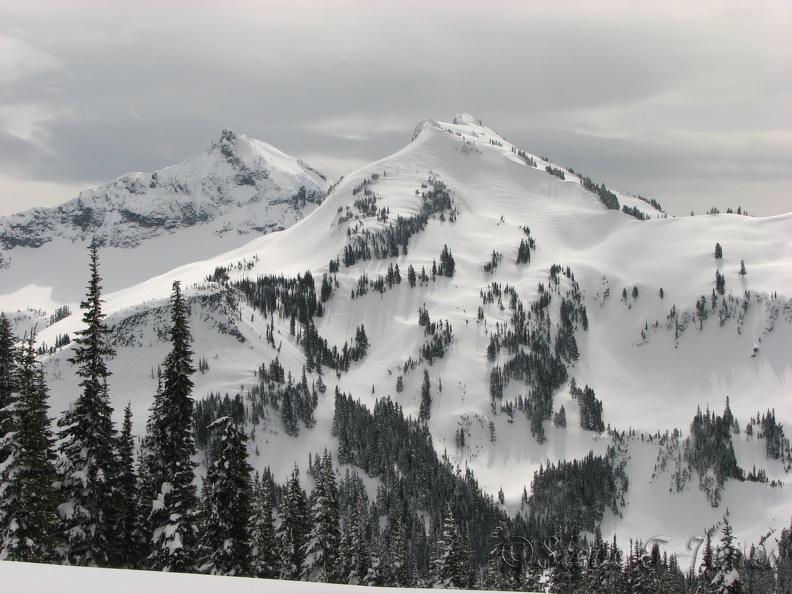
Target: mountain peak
{"x":237,"y":188}
{"x":467,"y":119}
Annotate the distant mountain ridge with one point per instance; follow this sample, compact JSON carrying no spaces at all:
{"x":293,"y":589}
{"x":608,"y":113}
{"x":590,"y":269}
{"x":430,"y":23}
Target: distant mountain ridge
{"x":241,"y":184}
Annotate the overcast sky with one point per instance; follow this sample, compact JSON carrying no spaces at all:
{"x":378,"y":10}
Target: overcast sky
{"x":687,"y":103}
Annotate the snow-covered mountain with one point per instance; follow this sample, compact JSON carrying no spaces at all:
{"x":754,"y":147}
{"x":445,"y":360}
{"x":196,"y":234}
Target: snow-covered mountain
{"x":542,"y":285}
{"x":238,"y":189}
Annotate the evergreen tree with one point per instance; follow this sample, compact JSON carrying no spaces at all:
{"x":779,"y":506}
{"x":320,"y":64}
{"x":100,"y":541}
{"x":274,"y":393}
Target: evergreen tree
{"x":784,"y":562}
{"x":674,"y":580}
{"x":720,"y":283}
{"x":447,"y":264}
{"x":28,"y":516}
{"x":594,"y":572}
{"x":727,"y":562}
{"x":397,"y":557}
{"x":706,"y":573}
{"x":501,"y":566}
{"x":718,"y":251}
{"x":87,"y":467}
{"x":743,"y":271}
{"x":449,"y":570}
{"x":9,"y":354}
{"x":565,"y":572}
{"x":226,"y":507}
{"x":355,"y":545}
{"x":559,"y":419}
{"x":637,"y":573}
{"x":130,"y":550}
{"x":167,"y":466}
{"x":264,"y":547}
{"x":293,"y":530}
{"x":375,"y":575}
{"x":323,"y":542}
{"x":425,"y":410}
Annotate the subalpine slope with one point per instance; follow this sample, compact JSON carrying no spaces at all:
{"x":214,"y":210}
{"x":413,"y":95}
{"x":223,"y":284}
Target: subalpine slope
{"x":651,"y":359}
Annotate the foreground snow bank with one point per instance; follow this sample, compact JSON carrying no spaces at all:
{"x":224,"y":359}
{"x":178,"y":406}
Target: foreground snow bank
{"x":24,"y":578}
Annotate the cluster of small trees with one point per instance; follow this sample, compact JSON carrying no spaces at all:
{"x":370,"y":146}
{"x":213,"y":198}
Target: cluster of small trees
{"x":776,"y":442}
{"x":651,"y":201}
{"x":576,"y":493}
{"x":559,"y":173}
{"x":525,"y":247}
{"x":709,"y":450}
{"x":529,"y":160}
{"x":436,"y":200}
{"x":635,"y":212}
{"x":590,"y":408}
{"x":296,"y":299}
{"x":542,"y":364}
{"x":720,"y":283}
{"x":601,"y":567}
{"x":494,"y":260}
{"x":447,"y":265}
{"x":607,"y":197}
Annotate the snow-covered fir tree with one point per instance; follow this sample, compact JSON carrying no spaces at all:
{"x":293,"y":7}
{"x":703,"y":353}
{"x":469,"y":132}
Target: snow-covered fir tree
{"x":226,"y":507}
{"x":28,"y":518}
{"x":397,"y":557}
{"x":449,"y":570}
{"x":264,"y":554}
{"x":293,"y":529}
{"x":425,"y":409}
{"x":323,"y":542}
{"x":87,"y":466}
{"x":727,"y":562}
{"x":127,"y":528}
{"x":783,"y":564}
{"x":503,"y":567}
{"x":8,"y":362}
{"x":167,"y":468}
{"x":707,"y":569}
{"x":565,"y":572}
{"x":355,"y":546}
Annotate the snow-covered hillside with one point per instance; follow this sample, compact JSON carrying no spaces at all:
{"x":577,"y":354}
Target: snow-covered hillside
{"x":149,"y":223}
{"x":629,"y":291}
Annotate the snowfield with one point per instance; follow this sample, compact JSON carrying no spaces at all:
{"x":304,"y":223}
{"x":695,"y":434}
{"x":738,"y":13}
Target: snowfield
{"x":30,"y":578}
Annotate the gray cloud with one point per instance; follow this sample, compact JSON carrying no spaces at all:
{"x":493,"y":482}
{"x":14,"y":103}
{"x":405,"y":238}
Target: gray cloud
{"x":654,"y":100}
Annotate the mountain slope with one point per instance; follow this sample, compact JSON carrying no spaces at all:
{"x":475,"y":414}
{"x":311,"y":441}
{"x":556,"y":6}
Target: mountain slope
{"x":237,"y":189}
{"x":651,"y":359}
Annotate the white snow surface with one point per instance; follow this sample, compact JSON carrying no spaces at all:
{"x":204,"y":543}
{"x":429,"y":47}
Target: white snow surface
{"x":650,"y":384}
{"x":30,"y":578}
